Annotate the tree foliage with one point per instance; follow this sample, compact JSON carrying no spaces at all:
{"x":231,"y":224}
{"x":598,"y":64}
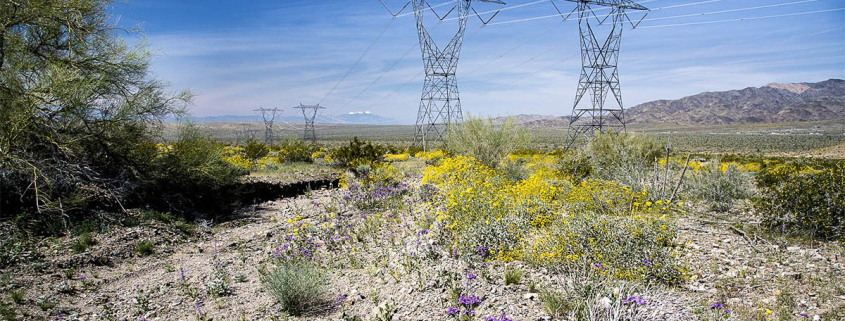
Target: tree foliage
{"x":79,"y":108}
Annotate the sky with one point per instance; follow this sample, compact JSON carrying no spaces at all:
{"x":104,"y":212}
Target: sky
{"x":236,"y":56}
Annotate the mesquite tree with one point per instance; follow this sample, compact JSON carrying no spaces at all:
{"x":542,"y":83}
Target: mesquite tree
{"x":78,"y":107}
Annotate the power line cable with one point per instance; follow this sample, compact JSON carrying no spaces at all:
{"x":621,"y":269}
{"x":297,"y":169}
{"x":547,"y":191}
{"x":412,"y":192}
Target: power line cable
{"x":605,"y":8}
{"x":361,"y":57}
{"x":731,"y":10}
{"x":740,"y":19}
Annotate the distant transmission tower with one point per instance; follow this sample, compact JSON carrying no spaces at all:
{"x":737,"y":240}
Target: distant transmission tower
{"x":268,"y":115}
{"x":599,"y":60}
{"x":440,"y":105}
{"x":309,"y":112}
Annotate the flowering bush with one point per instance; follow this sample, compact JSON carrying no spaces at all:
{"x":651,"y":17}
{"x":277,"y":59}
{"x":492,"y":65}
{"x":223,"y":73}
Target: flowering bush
{"x":396,"y":157}
{"x":798,"y":196}
{"x":296,"y":151}
{"x":547,"y":220}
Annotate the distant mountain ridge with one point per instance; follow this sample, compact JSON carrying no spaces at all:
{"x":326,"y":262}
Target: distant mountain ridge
{"x":773,"y":103}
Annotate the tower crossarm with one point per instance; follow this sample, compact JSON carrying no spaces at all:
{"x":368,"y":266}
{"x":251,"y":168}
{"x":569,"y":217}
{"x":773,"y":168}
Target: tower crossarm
{"x":623,"y":4}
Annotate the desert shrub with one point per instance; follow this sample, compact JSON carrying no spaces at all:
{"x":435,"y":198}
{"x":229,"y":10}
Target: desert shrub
{"x":796,"y":196}
{"x":719,"y":185}
{"x":192,"y":175}
{"x":296,"y":151}
{"x":576,"y":166}
{"x":358,"y":153}
{"x":627,"y":159}
{"x":83,"y":242}
{"x":489,"y":144}
{"x":513,"y":168}
{"x":546,"y":220}
{"x":255,"y":150}
{"x":299,"y":288}
{"x":587,"y":297}
{"x":496,"y":236}
{"x":144,"y":248}
{"x":396,"y":157}
{"x":375,"y":188}
{"x":513,"y":275}
{"x":628,"y":248}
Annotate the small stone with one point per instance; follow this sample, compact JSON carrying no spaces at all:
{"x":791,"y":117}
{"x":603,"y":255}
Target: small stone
{"x":529,"y":296}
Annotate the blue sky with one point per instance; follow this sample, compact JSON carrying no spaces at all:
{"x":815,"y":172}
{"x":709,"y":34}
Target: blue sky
{"x":237,"y":56}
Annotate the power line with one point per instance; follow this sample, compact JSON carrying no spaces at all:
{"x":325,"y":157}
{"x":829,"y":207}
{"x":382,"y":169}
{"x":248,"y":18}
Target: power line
{"x":731,"y":10}
{"x":606,"y":8}
{"x":740,"y":19}
{"x":507,"y":8}
{"x":411,"y":48}
{"x":370,"y":47}
{"x":423,"y":9}
{"x":378,"y":78}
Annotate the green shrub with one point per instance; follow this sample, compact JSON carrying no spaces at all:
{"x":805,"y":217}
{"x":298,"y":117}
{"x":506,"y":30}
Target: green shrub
{"x":255,"y":150}
{"x":18,"y":295}
{"x":82,"y":243}
{"x":295,"y":151}
{"x":192,"y":176}
{"x":627,"y":159}
{"x":513,"y":275}
{"x":298,"y":287}
{"x":628,"y":248}
{"x":487,"y":143}
{"x":795,"y":196}
{"x":144,"y":248}
{"x":555,"y":303}
{"x":719,"y":188}
{"x":358,"y":153}
{"x":501,"y":235}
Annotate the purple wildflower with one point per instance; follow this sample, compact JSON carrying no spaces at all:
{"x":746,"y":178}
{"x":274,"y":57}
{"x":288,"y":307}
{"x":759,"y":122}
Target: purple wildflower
{"x":452,"y":311}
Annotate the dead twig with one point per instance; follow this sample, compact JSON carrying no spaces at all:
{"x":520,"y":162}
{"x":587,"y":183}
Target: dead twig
{"x":745,"y":236}
{"x":674,"y":192}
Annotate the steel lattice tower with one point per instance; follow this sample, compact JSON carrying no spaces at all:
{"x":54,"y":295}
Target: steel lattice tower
{"x":599,"y":73}
{"x":309,"y":112}
{"x":440,"y":104}
{"x":268,"y":115}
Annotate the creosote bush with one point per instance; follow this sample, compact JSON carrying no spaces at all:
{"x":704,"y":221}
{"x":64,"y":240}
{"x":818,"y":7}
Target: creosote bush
{"x":798,"y":196}
{"x":295,"y":151}
{"x":255,"y":150}
{"x":298,"y":287}
{"x":358,"y":153}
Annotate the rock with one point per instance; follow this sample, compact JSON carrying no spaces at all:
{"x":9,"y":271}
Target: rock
{"x":604,"y":302}
{"x":531,"y":296}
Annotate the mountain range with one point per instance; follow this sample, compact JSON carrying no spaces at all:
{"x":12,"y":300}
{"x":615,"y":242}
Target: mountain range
{"x":773,"y":103}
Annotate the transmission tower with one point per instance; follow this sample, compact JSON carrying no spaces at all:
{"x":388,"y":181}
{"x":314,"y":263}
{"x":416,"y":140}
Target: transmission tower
{"x":268,"y":115}
{"x":440,"y":105}
{"x":599,"y":60}
{"x":309,"y":112}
